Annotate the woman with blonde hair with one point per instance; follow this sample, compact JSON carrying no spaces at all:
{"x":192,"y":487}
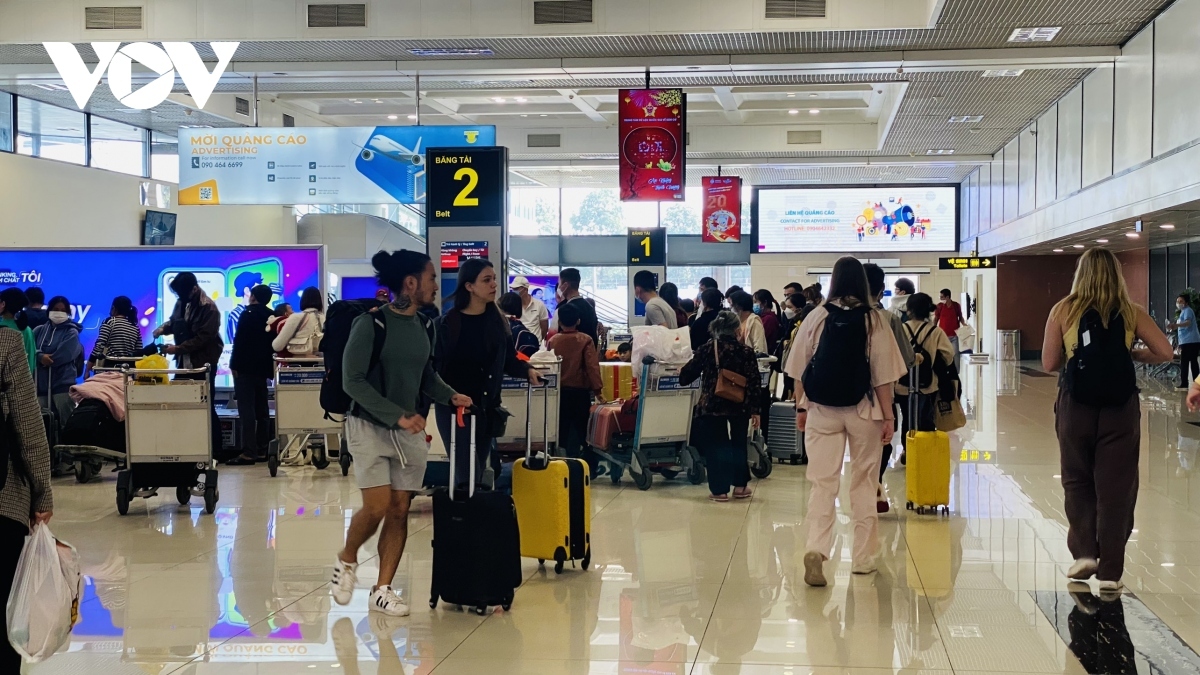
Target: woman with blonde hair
{"x":1090,"y":336}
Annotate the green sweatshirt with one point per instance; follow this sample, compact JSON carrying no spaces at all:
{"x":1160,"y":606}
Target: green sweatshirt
{"x":405,"y":370}
{"x":27,"y":338}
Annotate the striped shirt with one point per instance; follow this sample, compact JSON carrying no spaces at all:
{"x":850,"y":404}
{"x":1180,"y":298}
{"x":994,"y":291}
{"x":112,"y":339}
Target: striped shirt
{"x":118,"y":338}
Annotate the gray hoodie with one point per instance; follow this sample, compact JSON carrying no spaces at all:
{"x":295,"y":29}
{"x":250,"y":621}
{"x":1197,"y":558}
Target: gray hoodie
{"x":61,"y":342}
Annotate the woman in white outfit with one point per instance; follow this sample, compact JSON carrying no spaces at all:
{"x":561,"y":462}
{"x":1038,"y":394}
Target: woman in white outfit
{"x":301,"y":333}
{"x":845,"y":361}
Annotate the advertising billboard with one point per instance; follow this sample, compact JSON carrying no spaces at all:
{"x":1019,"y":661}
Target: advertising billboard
{"x":653,"y":138}
{"x":145,"y":274}
{"x":889,"y":219}
{"x":722,"y":212}
{"x":313,"y":165}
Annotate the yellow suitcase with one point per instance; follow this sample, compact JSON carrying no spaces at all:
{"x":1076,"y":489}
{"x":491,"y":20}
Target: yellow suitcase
{"x":927,"y":473}
{"x":553,"y":497}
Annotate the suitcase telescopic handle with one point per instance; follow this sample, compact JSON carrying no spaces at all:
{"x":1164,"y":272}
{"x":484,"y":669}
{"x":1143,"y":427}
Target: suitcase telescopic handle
{"x":529,"y":421}
{"x":459,"y":414}
{"x":914,"y":390}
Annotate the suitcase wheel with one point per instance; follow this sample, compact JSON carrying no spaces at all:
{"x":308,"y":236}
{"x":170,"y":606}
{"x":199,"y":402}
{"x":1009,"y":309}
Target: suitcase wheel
{"x":481,"y":610}
{"x":433,"y":603}
{"x":909,"y":506}
{"x":506,"y":606}
{"x":558,"y":567}
{"x":541,"y":562}
{"x":587,"y":559}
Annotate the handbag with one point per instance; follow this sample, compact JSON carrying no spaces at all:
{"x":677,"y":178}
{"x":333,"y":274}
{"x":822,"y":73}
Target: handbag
{"x":948,"y":414}
{"x":731,"y":386}
{"x":497,"y":421}
{"x":305,"y":346}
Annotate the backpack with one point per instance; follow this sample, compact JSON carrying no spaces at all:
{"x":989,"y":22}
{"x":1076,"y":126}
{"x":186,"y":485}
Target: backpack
{"x":839,"y":373}
{"x":338,"y":321}
{"x":1101,"y":372}
{"x":925,"y":369}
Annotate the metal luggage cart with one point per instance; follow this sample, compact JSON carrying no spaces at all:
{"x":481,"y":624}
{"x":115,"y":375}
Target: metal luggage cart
{"x":659,"y":443}
{"x":168,"y":438}
{"x":89,"y":459}
{"x":299,"y":417}
{"x":513,"y":396}
{"x":756,"y":448}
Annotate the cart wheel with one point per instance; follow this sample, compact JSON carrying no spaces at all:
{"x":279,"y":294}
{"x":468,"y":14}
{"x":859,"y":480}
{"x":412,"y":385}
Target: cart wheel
{"x":795,"y":461}
{"x":642,"y":480}
{"x":344,"y":462}
{"x":83,"y":471}
{"x":320,"y":459}
{"x":615,"y":472}
{"x":669,"y":474}
{"x":587,"y":559}
{"x":697,"y":474}
{"x":184,"y":494}
{"x":481,"y":610}
{"x":210,"y":499}
{"x":122,"y":501}
{"x":763,"y":468}
{"x":273,"y":464}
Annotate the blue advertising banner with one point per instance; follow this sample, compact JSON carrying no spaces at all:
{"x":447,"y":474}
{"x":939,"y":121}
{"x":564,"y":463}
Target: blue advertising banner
{"x":314,"y":165}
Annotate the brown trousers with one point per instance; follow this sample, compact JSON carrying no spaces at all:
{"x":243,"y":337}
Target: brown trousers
{"x":1099,"y":448}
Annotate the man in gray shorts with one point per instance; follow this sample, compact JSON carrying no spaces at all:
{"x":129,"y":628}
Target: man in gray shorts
{"x":384,"y":432}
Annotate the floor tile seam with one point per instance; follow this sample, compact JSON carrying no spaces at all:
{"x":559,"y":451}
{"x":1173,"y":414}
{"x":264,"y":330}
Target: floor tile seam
{"x":724,"y":579}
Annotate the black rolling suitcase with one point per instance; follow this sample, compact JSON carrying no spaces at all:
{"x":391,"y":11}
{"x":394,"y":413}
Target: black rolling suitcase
{"x":92,"y":423}
{"x":476,"y":542}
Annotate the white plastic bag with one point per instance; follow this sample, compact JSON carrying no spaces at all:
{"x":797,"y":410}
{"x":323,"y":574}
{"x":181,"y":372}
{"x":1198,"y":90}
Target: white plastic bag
{"x":42,"y":601}
{"x":966,"y":337}
{"x":664,"y":344}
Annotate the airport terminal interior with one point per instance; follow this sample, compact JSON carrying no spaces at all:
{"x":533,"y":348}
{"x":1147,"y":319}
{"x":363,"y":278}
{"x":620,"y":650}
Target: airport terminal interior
{"x":975,"y":150}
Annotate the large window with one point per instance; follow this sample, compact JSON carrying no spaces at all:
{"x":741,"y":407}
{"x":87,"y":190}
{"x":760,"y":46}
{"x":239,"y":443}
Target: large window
{"x":164,"y":156}
{"x":118,"y":147}
{"x":6,"y":122}
{"x":684,"y":217}
{"x":601,"y":211}
{"x":533,"y":211}
{"x":51,"y":132}
{"x":609,"y":286}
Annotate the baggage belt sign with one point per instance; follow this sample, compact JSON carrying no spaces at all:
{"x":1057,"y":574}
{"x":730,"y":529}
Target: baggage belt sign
{"x":300,"y":377}
{"x":551,"y":381}
{"x":967,"y":263}
{"x":671,"y":383}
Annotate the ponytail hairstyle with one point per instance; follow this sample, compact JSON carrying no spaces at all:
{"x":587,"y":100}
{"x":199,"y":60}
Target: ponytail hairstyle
{"x":392,"y":269}
{"x":764,"y":297}
{"x":14,"y":301}
{"x":123,"y":306}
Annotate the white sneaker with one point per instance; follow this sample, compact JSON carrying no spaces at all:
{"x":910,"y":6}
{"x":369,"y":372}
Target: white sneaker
{"x":868,"y":567}
{"x":385,"y":600}
{"x":1083,"y":568}
{"x":345,"y":577}
{"x":814,"y":572}
{"x":1111,"y":586}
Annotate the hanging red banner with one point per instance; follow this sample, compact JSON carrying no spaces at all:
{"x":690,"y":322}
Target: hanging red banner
{"x":722,"y":209}
{"x":653,"y":144}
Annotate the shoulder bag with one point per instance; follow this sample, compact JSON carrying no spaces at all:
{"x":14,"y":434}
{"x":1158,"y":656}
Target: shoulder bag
{"x":730,"y":386}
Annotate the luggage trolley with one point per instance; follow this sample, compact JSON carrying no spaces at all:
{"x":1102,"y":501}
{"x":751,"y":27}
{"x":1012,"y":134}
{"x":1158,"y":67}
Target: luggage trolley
{"x":756,"y":449}
{"x":514,"y":397}
{"x":299,"y":416}
{"x":89,"y":459}
{"x":167,"y":417}
{"x":660,"y":437}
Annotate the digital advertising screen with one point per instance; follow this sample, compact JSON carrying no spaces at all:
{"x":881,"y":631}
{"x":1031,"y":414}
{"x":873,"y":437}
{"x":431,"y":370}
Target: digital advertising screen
{"x":313,"y":165}
{"x":544,"y":288}
{"x":722,"y":212}
{"x":889,"y":219}
{"x":453,"y":253}
{"x":357,"y":288}
{"x":145,"y":275}
{"x":652,"y":132}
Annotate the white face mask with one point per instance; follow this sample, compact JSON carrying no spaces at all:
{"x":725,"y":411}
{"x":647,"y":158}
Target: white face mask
{"x":59,"y":317}
{"x":789,"y":313}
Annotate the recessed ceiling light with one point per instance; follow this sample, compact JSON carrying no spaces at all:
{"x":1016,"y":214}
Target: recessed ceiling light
{"x":1101,"y":241}
{"x":793,"y":112}
{"x":1043,"y":34}
{"x":1058,"y":250}
{"x":1131,"y":235}
{"x":524,"y":115}
{"x":378,"y":101}
{"x":498,"y":99}
{"x":1168,"y":564}
{"x":543,"y":115}
{"x":1076,"y":245}
{"x":451,"y":51}
{"x":1004,"y":72}
{"x":940,"y":151}
{"x":1166,"y":226}
{"x":520,"y":99}
{"x":412,"y":117}
{"x":791,"y":96}
{"x":813,"y":95}
{"x":955,"y":119}
{"x":814,"y":111}
{"x":393,"y":117}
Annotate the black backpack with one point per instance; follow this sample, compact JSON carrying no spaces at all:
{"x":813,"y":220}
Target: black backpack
{"x":839,"y":373}
{"x":1101,"y":372}
{"x":925,"y":369}
{"x":338,"y":321}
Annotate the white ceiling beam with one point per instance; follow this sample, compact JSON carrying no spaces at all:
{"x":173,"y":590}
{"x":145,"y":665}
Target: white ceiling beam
{"x":584,"y":107}
{"x":729,"y":103}
{"x":736,"y":162}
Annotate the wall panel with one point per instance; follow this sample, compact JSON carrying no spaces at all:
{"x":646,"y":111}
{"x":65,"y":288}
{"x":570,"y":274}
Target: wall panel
{"x":1070,"y":142}
{"x":1026,"y":169}
{"x":1134,"y":93}
{"x":1176,"y":72}
{"x":1012,"y":162}
{"x":1097,"y":126}
{"x":1047,"y":157}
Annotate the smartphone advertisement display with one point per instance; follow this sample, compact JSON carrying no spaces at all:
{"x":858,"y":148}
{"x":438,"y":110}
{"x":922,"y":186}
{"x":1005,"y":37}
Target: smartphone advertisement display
{"x":91,"y":278}
{"x":653,"y":137}
{"x":314,"y":165}
{"x":875,"y":219}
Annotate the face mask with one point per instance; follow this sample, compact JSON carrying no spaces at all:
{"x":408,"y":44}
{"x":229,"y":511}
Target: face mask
{"x":59,"y":317}
{"x":758,"y":309}
{"x":789,"y":313}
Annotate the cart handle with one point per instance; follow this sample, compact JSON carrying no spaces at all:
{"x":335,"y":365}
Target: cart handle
{"x":300,"y":359}
{"x":166,"y":371}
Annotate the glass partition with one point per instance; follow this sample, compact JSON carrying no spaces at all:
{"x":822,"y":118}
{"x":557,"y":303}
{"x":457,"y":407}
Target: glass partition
{"x":118,"y":147}
{"x":51,"y":132}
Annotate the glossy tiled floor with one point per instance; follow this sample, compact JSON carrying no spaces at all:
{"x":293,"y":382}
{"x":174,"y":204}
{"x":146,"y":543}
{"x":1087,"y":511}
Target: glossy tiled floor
{"x":679,"y":585}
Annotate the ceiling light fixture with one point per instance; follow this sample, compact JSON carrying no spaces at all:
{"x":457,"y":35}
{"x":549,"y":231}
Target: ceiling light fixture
{"x":940,"y":151}
{"x":1131,"y":235}
{"x":1058,"y":250}
{"x":1166,"y":226}
{"x":498,"y":99}
{"x":1004,"y":72}
{"x":1043,"y":34}
{"x":393,"y":117}
{"x":451,"y":51}
{"x":814,"y":95}
{"x":955,"y":119}
{"x":412,"y":117}
{"x":814,"y":111}
{"x":793,"y":112}
{"x":1101,"y":241}
{"x":791,"y":96}
{"x":1168,"y":564}
{"x":520,"y":99}
{"x":1076,"y":245}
